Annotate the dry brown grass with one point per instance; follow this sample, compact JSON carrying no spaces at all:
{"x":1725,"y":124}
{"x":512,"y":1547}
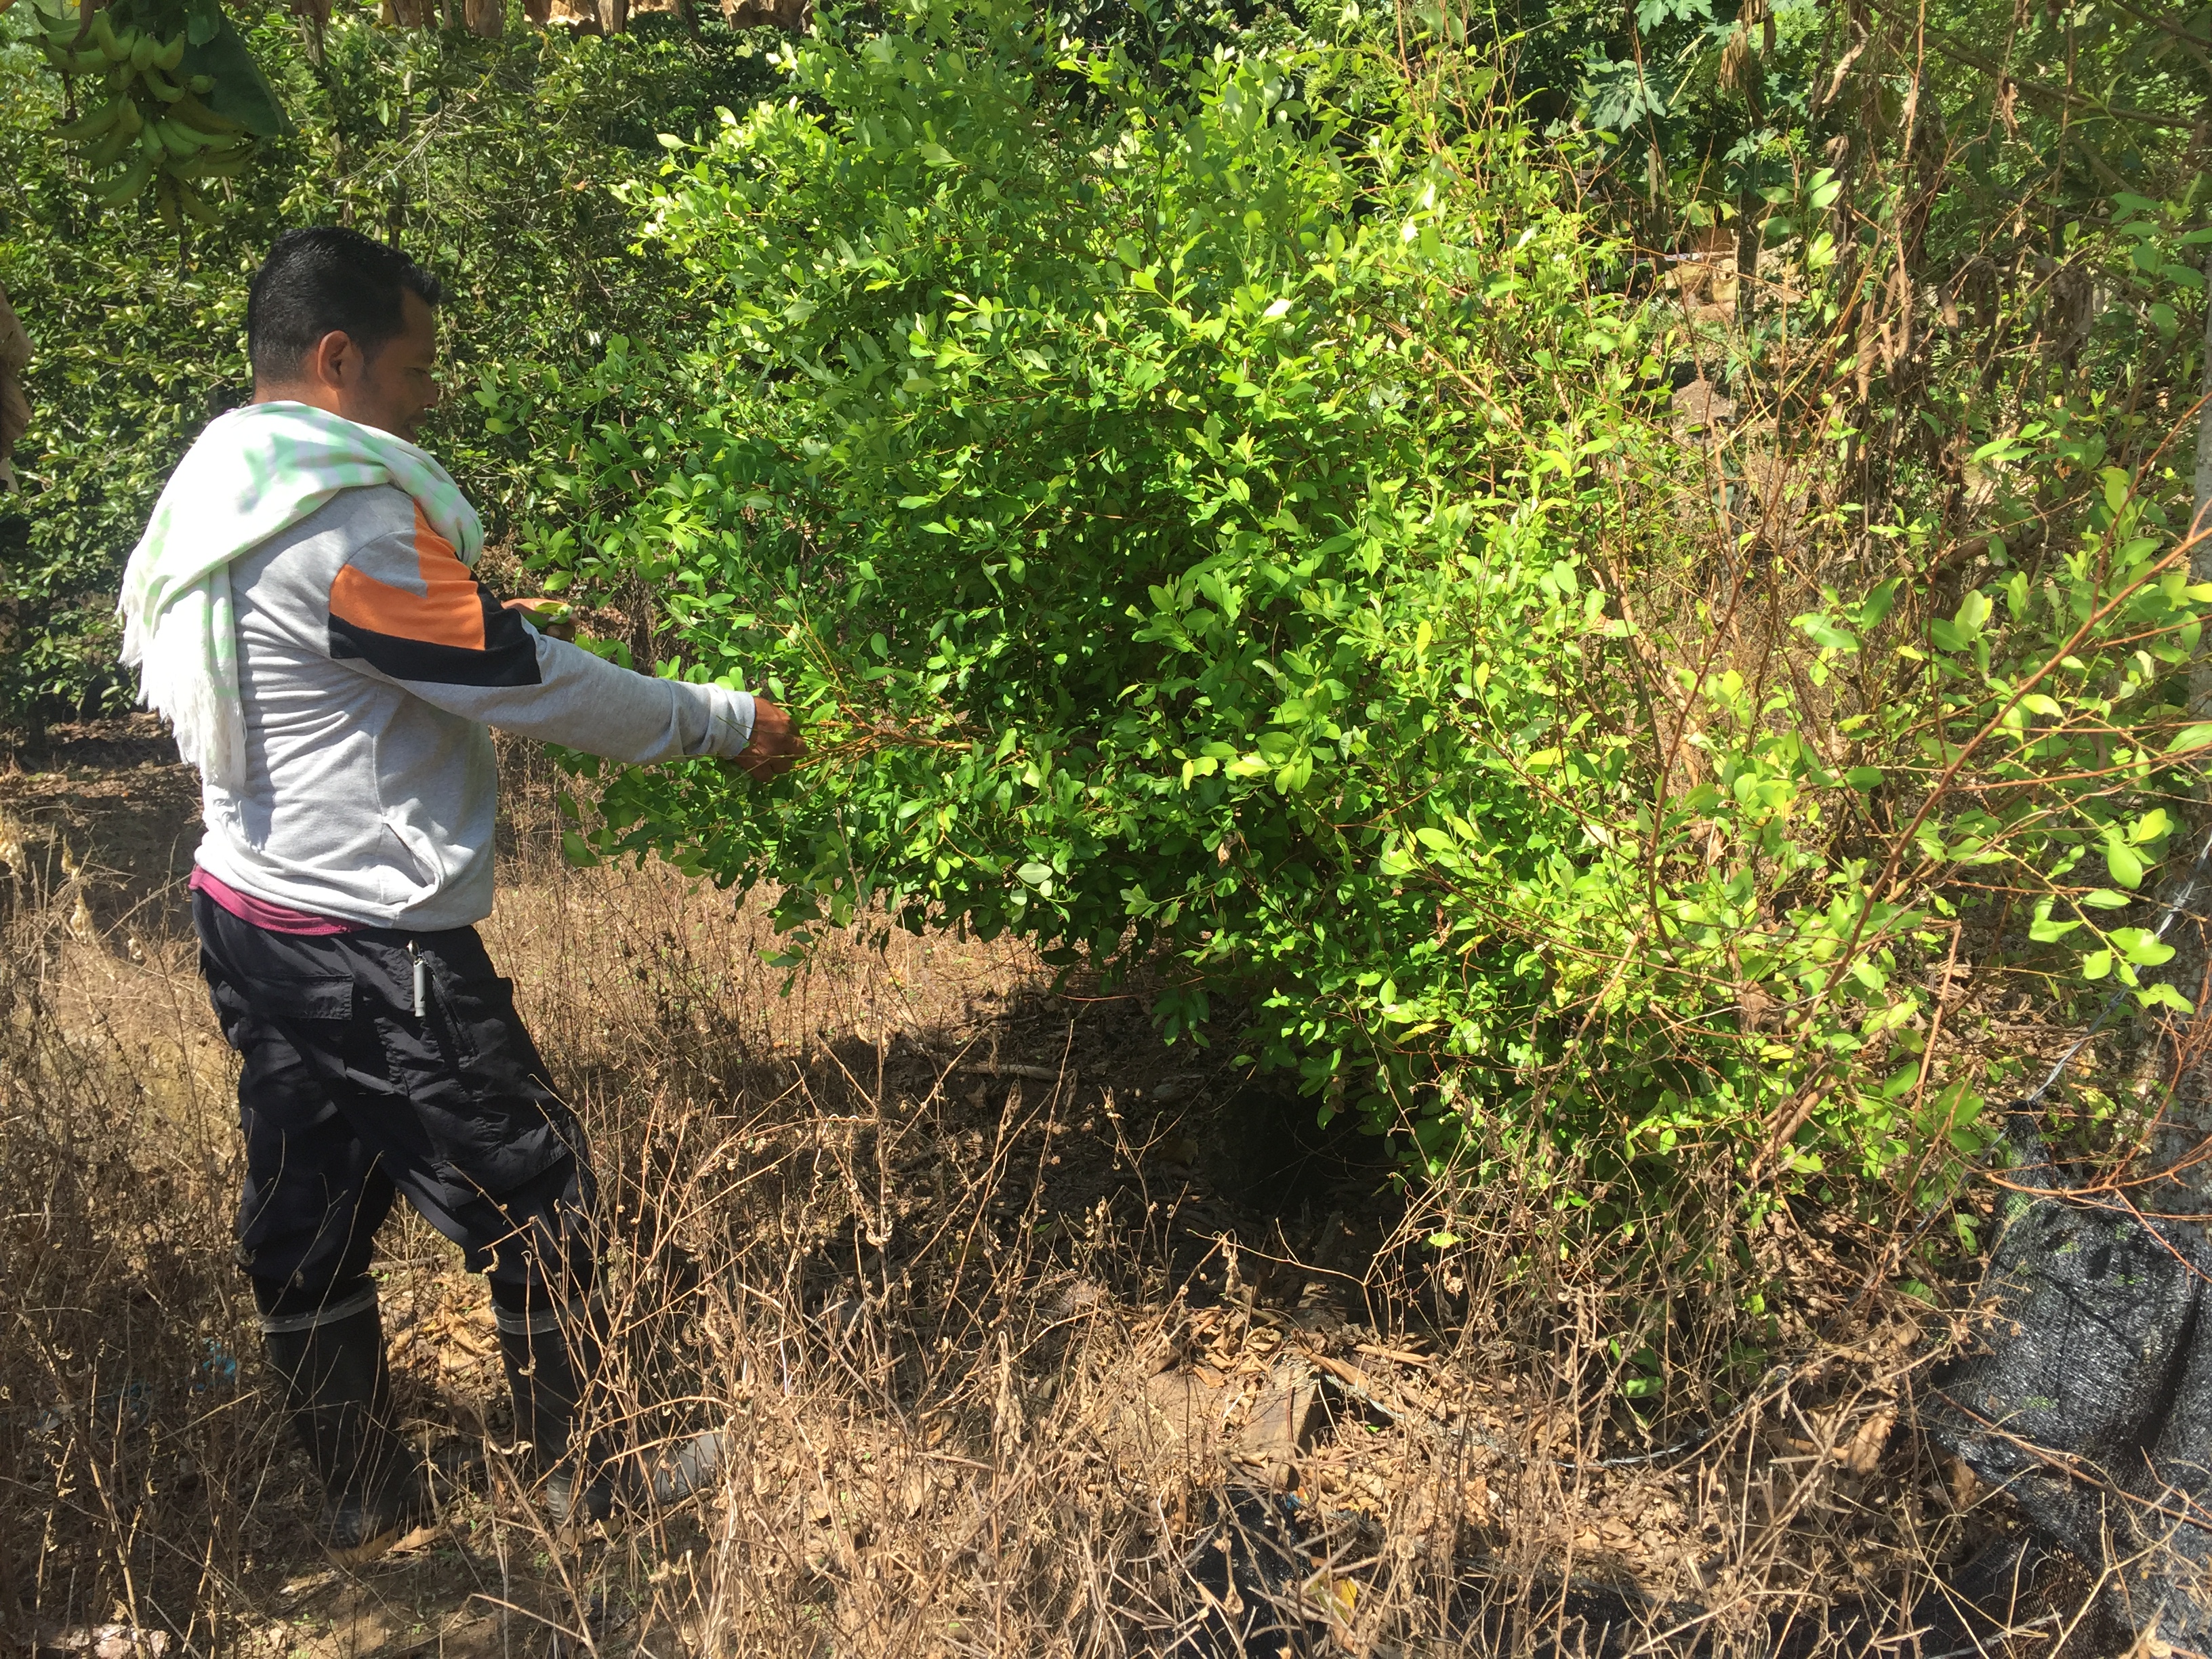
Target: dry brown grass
{"x":975,"y":1276}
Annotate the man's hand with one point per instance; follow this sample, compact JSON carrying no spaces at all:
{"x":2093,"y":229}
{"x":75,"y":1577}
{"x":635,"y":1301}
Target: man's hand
{"x":554,"y":616}
{"x":775,"y":747}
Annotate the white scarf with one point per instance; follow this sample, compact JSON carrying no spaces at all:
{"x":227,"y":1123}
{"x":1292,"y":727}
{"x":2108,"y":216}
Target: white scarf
{"x":252,"y":472}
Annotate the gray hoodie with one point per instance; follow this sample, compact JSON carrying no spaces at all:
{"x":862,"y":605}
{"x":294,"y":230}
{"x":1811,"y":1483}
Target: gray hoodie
{"x":371,"y":663}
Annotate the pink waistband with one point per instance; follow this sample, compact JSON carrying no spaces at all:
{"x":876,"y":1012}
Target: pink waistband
{"x":273,"y":918}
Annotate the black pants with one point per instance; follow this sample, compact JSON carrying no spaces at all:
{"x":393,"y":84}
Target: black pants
{"x":348,"y":1096}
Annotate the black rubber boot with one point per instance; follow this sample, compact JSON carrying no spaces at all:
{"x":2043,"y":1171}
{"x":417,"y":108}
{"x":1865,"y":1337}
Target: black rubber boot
{"x":549,"y":1368}
{"x":339,"y":1395}
{"x":548,"y":1363}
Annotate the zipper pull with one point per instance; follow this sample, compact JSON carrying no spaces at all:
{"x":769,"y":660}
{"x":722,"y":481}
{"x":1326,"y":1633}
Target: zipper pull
{"x":421,"y":982}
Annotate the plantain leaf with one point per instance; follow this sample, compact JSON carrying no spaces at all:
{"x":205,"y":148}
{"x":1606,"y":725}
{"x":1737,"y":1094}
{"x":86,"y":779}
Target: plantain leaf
{"x":241,"y":92}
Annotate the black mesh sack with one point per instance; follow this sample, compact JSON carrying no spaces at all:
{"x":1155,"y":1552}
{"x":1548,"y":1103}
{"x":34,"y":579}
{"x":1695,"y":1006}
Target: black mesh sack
{"x":2088,"y":1394}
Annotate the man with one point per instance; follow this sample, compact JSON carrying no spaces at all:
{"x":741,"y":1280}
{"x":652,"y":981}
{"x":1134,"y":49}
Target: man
{"x":302,"y":608}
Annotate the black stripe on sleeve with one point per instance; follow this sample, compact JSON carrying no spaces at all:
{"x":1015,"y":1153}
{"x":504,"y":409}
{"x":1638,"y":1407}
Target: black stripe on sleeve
{"x":509,"y":656}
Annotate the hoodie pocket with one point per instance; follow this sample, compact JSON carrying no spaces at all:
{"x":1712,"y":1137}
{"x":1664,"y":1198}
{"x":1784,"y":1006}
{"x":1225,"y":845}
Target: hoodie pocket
{"x":409,"y":866}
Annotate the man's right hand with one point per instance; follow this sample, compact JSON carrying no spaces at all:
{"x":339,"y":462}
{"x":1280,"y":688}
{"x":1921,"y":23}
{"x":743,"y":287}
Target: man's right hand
{"x":776,"y":746}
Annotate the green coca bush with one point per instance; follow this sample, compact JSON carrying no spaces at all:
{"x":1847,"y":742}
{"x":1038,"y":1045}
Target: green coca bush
{"x":1232,"y":522}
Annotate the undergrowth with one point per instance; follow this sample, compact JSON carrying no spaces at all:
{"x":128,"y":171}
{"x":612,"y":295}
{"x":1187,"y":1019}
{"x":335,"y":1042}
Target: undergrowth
{"x":998,"y":1353}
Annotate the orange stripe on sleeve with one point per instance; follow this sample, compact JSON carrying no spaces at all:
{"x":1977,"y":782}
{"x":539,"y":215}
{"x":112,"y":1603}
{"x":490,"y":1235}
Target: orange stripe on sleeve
{"x":448,"y":611}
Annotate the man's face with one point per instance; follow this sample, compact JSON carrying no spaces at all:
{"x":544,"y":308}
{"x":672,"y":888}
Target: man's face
{"x":391,"y":391}
{"x":397,"y":387}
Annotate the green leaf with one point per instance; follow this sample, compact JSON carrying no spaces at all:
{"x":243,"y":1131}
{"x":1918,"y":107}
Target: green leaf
{"x":1878,"y":604}
{"x":2141,"y":946}
{"x":2151,"y":826}
{"x":241,"y":92}
{"x":2163,"y":995}
{"x":2125,"y":866}
{"x":1826,"y":632}
{"x":1961,"y":632}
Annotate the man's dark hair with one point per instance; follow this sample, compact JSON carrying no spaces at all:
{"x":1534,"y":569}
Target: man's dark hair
{"x":325,"y":277}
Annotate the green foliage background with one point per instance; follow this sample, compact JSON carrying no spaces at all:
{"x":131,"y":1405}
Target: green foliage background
{"x":497,"y":162}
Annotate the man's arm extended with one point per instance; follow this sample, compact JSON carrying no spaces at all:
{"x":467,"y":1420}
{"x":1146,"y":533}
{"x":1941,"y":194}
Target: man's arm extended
{"x":406,"y":607}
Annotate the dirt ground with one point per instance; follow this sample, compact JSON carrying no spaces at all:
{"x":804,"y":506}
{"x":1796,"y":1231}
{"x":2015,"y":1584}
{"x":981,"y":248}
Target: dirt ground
{"x":1031,"y":1333}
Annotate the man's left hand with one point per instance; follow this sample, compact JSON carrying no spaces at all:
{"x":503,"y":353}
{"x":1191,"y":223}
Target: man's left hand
{"x":776,"y":746}
{"x":553,"y":617}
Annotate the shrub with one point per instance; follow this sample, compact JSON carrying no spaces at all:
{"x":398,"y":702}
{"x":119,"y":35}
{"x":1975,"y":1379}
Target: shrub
{"x":1230,"y":524}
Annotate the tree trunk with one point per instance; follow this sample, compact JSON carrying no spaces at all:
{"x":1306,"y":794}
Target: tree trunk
{"x":2187,"y":1121}
{"x":2200,"y":526}
{"x":1749,"y":207}
{"x":486,"y":17}
{"x":14,"y":408}
{"x":789,"y":16}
